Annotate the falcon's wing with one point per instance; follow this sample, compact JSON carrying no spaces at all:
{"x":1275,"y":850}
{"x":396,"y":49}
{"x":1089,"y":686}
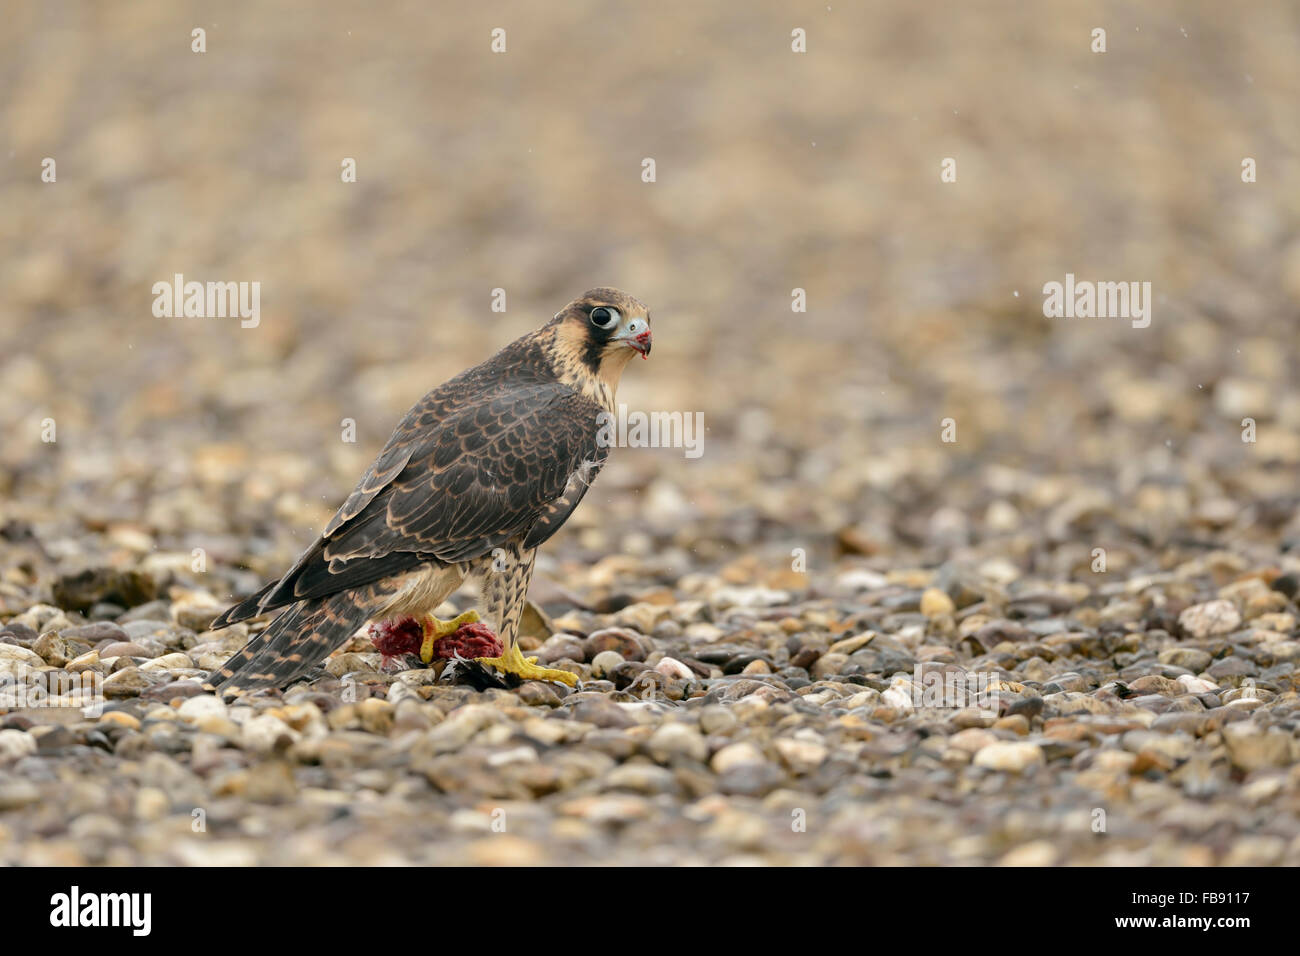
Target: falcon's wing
{"x":558,"y":511}
{"x":451,"y":484}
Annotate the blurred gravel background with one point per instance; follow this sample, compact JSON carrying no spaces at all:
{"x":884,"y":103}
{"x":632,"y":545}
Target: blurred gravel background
{"x":775,"y":171}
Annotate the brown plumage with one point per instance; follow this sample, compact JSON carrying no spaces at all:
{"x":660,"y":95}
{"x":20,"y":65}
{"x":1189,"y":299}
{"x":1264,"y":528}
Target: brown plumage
{"x":477,"y":474}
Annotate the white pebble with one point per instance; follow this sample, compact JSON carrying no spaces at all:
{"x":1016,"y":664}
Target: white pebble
{"x":672,"y":667}
{"x":1196,"y":685}
{"x":205,"y":705}
{"x":15,"y":744}
{"x":1014,"y":757}
{"x":899,"y":695}
{"x":1210,"y":619}
{"x":736,"y":755}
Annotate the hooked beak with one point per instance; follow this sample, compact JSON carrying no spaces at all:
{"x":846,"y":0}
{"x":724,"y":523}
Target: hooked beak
{"x":639,"y":341}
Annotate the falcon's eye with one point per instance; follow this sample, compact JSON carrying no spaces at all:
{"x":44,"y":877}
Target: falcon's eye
{"x":603,"y":318}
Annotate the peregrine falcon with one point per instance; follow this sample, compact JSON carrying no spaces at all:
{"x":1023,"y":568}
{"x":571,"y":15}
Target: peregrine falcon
{"x":478,"y":473}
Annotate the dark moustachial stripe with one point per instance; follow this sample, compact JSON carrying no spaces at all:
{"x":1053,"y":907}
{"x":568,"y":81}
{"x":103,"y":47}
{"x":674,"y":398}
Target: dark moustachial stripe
{"x":594,"y":349}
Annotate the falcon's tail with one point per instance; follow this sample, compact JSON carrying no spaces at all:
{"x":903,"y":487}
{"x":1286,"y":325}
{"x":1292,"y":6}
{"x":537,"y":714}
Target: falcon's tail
{"x":249,"y":607}
{"x":297,"y":640}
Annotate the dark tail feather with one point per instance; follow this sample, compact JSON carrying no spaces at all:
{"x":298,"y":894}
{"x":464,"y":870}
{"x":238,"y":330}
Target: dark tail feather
{"x":298,"y":639}
{"x":279,"y":593}
{"x":249,"y":607}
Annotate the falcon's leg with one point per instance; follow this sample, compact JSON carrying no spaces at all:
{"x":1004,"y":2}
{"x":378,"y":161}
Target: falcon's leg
{"x":512,"y":661}
{"x":429,"y":637}
{"x":403,"y":625}
{"x":435,"y":631}
{"x":505,"y":579}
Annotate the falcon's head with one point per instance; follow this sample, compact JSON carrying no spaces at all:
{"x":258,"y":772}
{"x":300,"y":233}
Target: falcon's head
{"x":605,"y":327}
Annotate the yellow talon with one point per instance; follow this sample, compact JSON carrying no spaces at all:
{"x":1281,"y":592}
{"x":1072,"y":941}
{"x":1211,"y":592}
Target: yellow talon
{"x":512,"y":661}
{"x":435,"y":629}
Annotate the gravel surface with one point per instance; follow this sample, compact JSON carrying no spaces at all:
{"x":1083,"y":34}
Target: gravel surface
{"x":762,"y":631}
{"x":738,"y":716}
